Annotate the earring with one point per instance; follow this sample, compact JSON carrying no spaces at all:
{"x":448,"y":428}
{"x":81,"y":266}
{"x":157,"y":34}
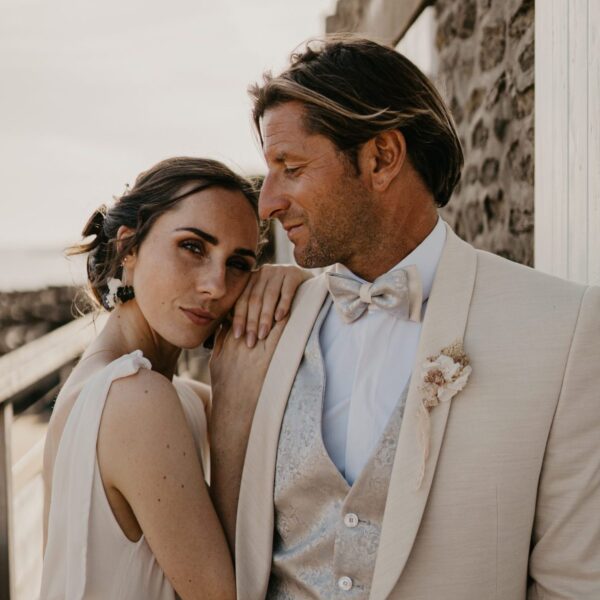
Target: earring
{"x":117,"y":293}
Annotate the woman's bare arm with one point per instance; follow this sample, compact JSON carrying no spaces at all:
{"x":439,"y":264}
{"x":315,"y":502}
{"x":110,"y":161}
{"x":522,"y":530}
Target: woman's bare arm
{"x":237,"y":374}
{"x":146,"y":452}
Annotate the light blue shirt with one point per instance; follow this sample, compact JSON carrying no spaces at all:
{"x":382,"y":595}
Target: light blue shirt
{"x":368,"y":363}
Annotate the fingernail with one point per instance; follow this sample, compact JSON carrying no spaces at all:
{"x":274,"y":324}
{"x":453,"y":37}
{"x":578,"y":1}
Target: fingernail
{"x":237,"y":331}
{"x":250,"y":339}
{"x":279,"y":314}
{"x":263,"y":331}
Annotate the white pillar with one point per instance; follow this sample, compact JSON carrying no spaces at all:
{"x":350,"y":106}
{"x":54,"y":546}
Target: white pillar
{"x":567,"y":139}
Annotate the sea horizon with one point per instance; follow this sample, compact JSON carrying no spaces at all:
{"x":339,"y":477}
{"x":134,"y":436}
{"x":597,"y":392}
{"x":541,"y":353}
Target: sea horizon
{"x":36,"y":268}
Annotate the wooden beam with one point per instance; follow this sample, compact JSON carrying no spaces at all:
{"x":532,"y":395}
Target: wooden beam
{"x":7,"y":572}
{"x":27,"y":365}
{"x":385,"y":20}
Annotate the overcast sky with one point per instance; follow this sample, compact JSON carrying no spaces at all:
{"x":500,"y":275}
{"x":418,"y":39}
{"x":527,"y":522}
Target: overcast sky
{"x":95,"y":92}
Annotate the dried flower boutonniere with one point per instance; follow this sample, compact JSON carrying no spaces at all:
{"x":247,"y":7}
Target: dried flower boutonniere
{"x":442,"y":377}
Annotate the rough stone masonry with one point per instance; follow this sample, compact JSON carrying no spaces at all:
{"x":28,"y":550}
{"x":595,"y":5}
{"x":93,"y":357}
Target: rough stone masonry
{"x":486,"y":71}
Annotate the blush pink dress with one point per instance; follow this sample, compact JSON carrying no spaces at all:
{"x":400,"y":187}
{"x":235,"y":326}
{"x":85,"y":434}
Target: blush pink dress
{"x":87,"y":554}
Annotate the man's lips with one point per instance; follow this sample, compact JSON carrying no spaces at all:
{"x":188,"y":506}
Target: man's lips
{"x":198,"y":316}
{"x":292,"y":229}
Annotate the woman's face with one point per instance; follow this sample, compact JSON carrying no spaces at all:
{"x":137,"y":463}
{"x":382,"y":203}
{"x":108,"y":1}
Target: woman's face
{"x":193,"y":264}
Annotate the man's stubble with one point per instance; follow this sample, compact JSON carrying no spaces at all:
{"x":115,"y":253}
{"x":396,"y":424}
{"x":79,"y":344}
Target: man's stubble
{"x":345,"y":224}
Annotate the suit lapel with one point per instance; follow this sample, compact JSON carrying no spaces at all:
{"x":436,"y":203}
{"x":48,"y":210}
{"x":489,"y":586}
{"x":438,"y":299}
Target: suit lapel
{"x":255,"y":517}
{"x":444,"y":323}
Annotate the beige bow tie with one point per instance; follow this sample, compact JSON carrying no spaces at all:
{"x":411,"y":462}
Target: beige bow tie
{"x":398,"y":292}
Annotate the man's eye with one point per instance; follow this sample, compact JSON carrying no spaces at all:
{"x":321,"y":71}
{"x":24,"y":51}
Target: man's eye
{"x":291,"y":170}
{"x":193,"y":246}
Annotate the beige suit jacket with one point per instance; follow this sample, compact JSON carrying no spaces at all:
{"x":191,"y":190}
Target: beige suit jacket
{"x":509,"y":507}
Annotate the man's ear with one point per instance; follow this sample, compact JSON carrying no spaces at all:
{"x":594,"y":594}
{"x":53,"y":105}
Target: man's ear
{"x":381,"y":159}
{"x":123,"y":234}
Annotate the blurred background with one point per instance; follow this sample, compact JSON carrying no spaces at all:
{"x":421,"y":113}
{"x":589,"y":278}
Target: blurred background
{"x":94,"y":93}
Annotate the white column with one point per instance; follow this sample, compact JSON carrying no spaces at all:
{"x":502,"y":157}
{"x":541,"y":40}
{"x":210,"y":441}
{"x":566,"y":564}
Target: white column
{"x":567,"y":139}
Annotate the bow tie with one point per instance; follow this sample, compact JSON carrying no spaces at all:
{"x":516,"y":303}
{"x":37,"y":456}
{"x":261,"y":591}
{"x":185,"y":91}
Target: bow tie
{"x":398,"y":292}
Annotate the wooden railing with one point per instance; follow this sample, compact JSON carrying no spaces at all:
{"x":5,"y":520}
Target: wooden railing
{"x":27,"y":374}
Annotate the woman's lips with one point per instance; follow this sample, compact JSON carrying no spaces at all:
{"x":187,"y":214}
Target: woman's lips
{"x":198,"y":317}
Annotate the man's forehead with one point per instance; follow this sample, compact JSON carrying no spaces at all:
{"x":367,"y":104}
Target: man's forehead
{"x":283,"y":118}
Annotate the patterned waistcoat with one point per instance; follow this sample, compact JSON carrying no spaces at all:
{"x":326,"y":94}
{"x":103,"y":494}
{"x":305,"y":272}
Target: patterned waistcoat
{"x":326,"y":531}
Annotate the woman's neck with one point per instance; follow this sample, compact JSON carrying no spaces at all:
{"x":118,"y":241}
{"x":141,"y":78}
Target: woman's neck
{"x":127,"y":330}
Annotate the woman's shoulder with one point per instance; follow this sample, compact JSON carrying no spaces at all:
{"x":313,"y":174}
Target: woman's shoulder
{"x":140,"y":393}
{"x":139,"y":410}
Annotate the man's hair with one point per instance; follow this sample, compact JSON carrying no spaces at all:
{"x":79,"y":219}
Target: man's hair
{"x":353,"y":89}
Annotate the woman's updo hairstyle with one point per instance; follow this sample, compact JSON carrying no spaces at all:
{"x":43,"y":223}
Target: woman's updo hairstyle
{"x":155,"y":192}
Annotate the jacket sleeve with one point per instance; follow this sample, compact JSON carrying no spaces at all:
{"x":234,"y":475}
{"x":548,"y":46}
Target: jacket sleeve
{"x":565,"y":552}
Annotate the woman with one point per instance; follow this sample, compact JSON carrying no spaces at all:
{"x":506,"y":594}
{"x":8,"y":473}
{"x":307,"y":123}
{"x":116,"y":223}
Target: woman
{"x":130,"y":515}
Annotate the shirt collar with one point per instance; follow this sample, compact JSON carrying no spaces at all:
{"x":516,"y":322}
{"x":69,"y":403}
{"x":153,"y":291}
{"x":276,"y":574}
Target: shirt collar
{"x":426,"y":257}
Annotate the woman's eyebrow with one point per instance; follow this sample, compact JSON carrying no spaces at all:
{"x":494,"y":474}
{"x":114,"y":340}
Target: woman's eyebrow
{"x":211,"y":239}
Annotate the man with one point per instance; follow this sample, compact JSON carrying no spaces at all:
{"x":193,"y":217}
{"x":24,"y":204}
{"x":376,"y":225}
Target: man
{"x":429,"y":423}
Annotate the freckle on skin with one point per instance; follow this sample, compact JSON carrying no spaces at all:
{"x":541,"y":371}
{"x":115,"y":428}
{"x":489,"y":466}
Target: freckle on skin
{"x":159,"y":499}
{"x":182,"y":485}
{"x":168,"y":446}
{"x":184,"y":453}
{"x":164,"y":476}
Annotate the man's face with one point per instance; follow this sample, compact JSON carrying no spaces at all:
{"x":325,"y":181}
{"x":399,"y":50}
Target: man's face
{"x":313,"y":191}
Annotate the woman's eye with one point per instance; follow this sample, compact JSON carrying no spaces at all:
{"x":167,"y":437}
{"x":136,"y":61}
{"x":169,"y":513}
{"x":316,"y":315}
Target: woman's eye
{"x":193,"y":246}
{"x":240,"y":265}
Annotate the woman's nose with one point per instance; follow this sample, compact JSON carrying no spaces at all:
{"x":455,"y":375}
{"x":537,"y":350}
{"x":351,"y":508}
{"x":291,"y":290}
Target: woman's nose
{"x":212,"y":281}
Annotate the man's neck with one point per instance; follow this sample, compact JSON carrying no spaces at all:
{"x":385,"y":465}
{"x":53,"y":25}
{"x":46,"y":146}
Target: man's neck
{"x":395,"y":244}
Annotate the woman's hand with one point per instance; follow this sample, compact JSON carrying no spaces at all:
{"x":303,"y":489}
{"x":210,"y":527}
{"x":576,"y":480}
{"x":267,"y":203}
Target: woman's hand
{"x":267,"y":298}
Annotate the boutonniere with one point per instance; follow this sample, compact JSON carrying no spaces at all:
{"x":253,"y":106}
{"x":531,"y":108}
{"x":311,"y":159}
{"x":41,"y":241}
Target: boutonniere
{"x":442,"y":377}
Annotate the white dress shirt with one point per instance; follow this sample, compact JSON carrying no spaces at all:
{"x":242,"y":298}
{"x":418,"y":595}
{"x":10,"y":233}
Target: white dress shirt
{"x":368,"y":364}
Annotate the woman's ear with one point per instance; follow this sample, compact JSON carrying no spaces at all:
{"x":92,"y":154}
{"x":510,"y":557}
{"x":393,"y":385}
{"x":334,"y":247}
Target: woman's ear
{"x":381,"y":159}
{"x":123,"y":234}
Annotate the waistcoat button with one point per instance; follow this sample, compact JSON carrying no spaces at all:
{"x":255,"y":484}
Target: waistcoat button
{"x":350,"y":520}
{"x":345,"y":583}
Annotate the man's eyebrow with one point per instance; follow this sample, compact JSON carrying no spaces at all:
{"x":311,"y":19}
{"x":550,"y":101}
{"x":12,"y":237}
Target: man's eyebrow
{"x":211,"y":239}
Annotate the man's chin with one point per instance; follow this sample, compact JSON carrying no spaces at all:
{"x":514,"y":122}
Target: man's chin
{"x":308,"y":259}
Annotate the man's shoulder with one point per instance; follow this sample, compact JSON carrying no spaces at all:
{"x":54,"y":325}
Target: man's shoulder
{"x":312,"y":290}
{"x":504,"y":272}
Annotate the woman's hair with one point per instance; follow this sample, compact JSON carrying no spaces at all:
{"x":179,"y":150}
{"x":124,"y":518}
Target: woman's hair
{"x":353,"y":89}
{"x":155,"y":192}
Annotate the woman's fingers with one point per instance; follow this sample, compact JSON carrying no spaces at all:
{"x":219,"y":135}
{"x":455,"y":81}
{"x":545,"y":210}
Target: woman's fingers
{"x":240,"y":310}
{"x":288,"y":291}
{"x":270,"y":300}
{"x":267,"y":279}
{"x":266,"y":299}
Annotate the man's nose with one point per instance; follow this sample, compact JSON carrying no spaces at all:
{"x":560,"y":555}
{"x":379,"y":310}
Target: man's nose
{"x":212,"y":281}
{"x":272,"y":200}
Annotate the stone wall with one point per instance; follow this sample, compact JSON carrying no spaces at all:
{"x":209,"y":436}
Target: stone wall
{"x":486,"y":75}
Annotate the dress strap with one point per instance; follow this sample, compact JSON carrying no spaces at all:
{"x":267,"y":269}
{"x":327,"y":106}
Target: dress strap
{"x":75,"y":462}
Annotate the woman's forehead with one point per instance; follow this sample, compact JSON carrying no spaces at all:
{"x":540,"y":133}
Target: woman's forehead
{"x":227,"y":212}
